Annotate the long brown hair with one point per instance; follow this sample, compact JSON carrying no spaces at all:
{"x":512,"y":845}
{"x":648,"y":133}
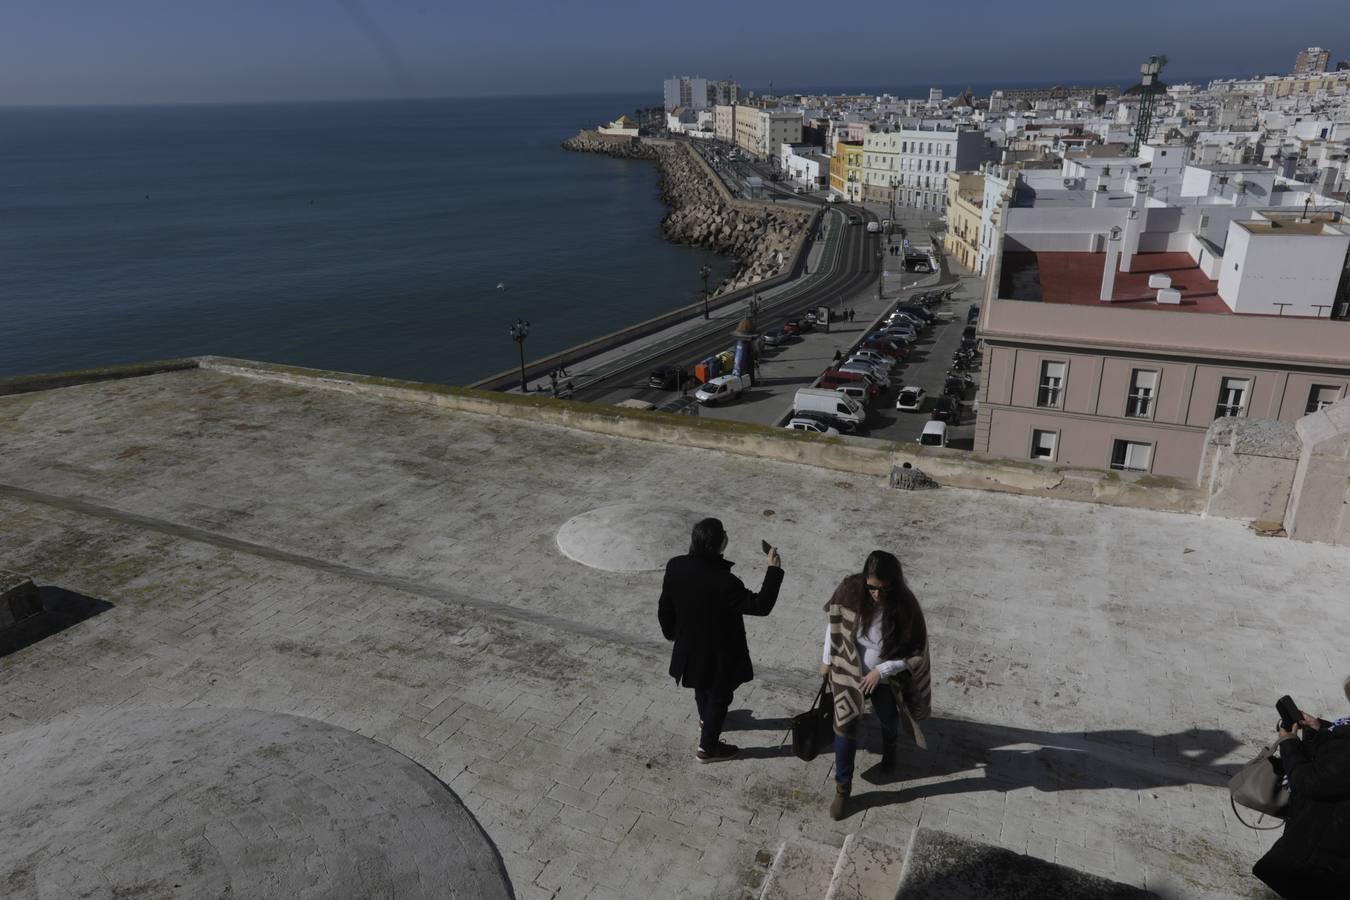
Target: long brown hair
{"x":902,"y":623}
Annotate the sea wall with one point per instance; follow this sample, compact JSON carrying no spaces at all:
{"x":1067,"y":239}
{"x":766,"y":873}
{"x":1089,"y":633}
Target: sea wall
{"x":762,"y":237}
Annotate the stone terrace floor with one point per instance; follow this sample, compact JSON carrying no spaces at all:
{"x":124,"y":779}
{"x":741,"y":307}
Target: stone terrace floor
{"x":393,"y":569}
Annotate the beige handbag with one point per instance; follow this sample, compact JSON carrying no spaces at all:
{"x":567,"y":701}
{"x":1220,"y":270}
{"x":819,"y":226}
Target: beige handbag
{"x":1259,"y":785}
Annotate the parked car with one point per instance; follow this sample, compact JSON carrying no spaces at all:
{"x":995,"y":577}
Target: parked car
{"x":973,"y":313}
{"x":910,"y":399}
{"x":721,"y":389}
{"x":839,"y":374}
{"x":875,"y":356}
{"x":777,"y":337}
{"x":865,"y":368}
{"x":835,"y":380}
{"x":947,"y":409}
{"x":893,"y":349}
{"x":815,"y":426}
{"x":897,"y":332}
{"x":841,"y":425}
{"x":810,"y":317}
{"x":903,"y":315}
{"x":792,"y":326}
{"x":919,"y":311}
{"x":858,"y":392}
{"x":669,"y":378}
{"x":934,"y":434}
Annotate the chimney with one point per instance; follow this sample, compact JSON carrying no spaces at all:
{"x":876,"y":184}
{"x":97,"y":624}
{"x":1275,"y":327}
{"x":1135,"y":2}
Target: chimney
{"x":1109,"y":269}
{"x":1134,"y":223}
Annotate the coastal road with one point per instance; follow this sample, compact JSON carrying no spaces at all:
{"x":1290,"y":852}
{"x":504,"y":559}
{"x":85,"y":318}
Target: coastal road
{"x":849,"y":265}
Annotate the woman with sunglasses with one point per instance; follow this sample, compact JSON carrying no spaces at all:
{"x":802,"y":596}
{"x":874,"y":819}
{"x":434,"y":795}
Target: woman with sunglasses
{"x":876,"y":645}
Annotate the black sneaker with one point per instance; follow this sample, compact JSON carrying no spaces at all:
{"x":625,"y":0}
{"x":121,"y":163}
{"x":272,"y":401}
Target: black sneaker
{"x":719,"y":753}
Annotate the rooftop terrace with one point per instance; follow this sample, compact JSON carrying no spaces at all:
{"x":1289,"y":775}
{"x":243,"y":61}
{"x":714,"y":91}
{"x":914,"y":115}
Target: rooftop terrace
{"x":393,"y":568}
{"x":1076,"y":278}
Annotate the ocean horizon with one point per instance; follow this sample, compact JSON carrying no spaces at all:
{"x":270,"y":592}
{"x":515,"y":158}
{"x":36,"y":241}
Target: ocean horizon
{"x":362,"y":236}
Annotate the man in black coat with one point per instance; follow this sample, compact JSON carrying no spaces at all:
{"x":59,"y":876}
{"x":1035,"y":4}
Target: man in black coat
{"x":1311,"y":858}
{"x":701,"y":610}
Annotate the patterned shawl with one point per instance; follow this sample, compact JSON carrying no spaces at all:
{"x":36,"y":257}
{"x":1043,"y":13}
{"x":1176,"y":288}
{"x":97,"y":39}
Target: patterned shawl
{"x":913,"y":687}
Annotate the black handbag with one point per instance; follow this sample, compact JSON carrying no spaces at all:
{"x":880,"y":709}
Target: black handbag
{"x":813,"y":730}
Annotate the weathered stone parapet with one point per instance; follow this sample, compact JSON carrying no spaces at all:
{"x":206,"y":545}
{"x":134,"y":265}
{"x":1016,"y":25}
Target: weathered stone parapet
{"x":1247,"y":470}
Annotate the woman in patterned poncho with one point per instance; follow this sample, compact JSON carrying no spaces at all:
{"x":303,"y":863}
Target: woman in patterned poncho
{"x":876,"y":645}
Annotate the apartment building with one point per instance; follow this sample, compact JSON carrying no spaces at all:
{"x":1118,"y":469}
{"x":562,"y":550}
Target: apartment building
{"x":1113,"y":337}
{"x":925,"y":155}
{"x":724,"y":123}
{"x":965,"y":214}
{"x":846,"y":167}
{"x":691,"y":93}
{"x":761,"y":132}
{"x":1312,"y":61}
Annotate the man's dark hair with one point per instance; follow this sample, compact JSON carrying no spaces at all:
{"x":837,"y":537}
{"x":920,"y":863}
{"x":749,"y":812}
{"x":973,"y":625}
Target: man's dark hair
{"x":707,"y":538}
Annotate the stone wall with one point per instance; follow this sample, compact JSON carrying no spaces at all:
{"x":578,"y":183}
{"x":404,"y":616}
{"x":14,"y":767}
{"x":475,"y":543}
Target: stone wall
{"x":1274,"y":472}
{"x":1247,"y":469}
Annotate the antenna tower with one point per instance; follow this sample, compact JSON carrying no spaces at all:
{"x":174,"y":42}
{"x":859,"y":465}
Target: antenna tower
{"x":1150,"y":87}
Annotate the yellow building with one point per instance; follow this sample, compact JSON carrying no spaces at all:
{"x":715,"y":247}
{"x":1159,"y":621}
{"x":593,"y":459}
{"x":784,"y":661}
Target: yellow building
{"x":846,"y":170}
{"x":965,"y":202}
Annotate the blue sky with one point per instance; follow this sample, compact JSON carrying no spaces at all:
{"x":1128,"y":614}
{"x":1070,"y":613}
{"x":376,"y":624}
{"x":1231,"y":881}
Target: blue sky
{"x":166,"y":51}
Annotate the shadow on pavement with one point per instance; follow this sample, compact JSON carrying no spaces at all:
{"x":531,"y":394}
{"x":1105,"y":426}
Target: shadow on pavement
{"x":60,"y":610}
{"x":1000,"y":758}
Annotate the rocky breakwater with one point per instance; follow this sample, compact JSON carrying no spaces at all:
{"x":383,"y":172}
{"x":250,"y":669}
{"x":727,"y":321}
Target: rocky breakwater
{"x":762,"y":237}
{"x":616,"y":145}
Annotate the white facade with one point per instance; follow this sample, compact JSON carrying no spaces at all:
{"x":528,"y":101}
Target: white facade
{"x":1282,"y":267}
{"x":804,"y":165}
{"x":687,"y":92}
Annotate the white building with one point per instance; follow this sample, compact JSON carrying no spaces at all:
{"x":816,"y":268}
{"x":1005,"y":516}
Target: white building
{"x":1282,"y":266}
{"x":805,"y":165}
{"x":761,"y":132}
{"x":686,"y":91}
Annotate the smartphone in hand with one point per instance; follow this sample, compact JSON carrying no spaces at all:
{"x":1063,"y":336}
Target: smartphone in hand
{"x":1289,"y":712}
{"x":764,"y":545}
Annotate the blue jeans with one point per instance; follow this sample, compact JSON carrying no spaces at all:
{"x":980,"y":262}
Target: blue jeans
{"x":846,"y":747}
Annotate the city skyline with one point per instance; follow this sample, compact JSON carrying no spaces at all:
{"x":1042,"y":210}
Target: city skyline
{"x":67,"y":53}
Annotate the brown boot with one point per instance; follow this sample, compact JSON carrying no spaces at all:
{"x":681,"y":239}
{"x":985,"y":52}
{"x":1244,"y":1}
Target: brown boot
{"x":840,"y":802}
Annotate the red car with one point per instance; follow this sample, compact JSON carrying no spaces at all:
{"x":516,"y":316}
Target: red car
{"x":792,"y":326}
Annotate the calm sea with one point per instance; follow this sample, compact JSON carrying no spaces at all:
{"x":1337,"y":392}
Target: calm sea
{"x":364,"y":237}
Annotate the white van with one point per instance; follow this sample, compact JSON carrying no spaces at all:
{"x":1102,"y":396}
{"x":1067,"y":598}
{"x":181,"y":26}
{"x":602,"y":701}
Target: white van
{"x":830,"y":402}
{"x":934,"y":434}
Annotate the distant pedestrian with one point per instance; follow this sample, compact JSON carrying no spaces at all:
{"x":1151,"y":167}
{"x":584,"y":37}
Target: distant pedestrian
{"x":562,"y":369}
{"x":876,"y":645}
{"x":702,"y":610}
{"x":850,"y":314}
{"x":553,"y":381}
{"x":838,"y":356}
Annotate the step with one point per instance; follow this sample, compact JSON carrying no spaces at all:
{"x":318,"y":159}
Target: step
{"x":942,"y":866}
{"x":801,"y":871}
{"x":866,"y":870}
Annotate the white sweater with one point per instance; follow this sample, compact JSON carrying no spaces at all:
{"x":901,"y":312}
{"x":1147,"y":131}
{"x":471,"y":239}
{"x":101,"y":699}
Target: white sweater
{"x":869,"y":647}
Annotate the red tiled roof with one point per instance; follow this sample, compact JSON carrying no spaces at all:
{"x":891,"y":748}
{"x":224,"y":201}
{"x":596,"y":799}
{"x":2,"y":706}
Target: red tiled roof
{"x":1070,"y":277}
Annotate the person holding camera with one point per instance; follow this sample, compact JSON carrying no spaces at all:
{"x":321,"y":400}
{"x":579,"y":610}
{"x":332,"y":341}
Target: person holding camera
{"x":1312,"y":857}
{"x":701,"y":609}
{"x":876,"y":646}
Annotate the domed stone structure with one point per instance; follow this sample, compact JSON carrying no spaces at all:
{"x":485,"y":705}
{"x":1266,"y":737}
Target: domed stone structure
{"x":217,"y":802}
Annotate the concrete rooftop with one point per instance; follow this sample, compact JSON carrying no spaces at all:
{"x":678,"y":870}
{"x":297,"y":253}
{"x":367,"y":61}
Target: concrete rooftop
{"x":394,"y":569}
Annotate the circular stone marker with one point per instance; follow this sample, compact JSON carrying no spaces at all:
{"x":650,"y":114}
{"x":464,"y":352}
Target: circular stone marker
{"x":627,"y":537}
{"x":217,"y":802}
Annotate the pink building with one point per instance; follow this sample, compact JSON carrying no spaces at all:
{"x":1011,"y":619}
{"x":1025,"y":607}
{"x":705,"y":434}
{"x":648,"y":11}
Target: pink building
{"x":1097,"y":354}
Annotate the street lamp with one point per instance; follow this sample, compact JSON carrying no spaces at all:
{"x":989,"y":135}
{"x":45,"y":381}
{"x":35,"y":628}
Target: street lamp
{"x":519,"y":332}
{"x":704,"y":271}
